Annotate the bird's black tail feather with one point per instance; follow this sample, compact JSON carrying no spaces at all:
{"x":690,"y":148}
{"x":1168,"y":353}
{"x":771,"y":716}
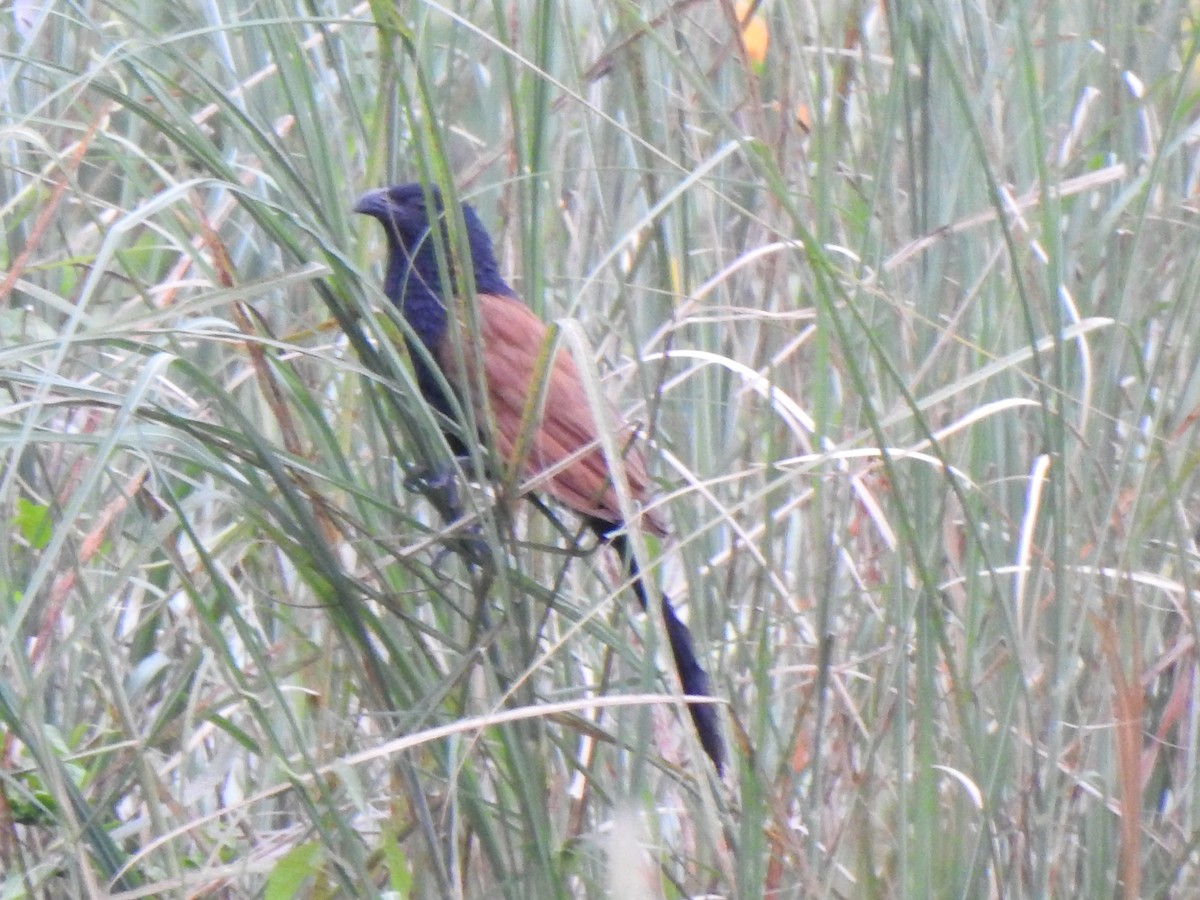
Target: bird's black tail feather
{"x":692,"y":677}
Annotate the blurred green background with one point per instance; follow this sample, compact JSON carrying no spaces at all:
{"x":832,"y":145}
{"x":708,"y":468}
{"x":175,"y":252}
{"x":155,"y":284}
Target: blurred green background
{"x":903,"y":296}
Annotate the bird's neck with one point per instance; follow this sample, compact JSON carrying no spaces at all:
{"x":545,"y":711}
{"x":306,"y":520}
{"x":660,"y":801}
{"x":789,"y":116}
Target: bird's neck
{"x":487,"y":274}
{"x":414,"y":284}
{"x":415,"y":288}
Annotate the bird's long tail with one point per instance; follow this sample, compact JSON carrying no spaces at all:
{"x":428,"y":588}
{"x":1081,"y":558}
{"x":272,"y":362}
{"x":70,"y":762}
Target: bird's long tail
{"x":692,"y":677}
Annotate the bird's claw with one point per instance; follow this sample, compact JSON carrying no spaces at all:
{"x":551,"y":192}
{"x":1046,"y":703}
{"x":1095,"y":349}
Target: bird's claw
{"x":440,"y":487}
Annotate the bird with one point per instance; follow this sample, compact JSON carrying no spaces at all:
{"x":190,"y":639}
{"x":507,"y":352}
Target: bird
{"x":563,"y":445}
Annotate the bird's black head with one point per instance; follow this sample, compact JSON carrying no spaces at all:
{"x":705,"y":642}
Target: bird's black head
{"x":406,"y":211}
{"x":403,"y":210}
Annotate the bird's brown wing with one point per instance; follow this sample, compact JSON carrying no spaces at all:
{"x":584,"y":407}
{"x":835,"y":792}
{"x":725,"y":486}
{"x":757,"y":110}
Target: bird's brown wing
{"x":514,"y":342}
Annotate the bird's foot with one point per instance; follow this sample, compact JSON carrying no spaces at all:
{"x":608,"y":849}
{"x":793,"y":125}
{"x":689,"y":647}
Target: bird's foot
{"x":440,"y":488}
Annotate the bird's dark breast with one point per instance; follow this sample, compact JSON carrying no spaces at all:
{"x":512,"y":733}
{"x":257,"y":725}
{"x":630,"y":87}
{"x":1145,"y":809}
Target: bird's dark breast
{"x":431,"y":389}
{"x":422,"y":307}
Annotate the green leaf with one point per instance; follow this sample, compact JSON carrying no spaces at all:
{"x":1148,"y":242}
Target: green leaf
{"x":292,"y":870}
{"x":33,"y":521}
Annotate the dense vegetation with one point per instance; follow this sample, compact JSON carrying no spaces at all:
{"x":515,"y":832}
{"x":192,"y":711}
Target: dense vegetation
{"x":904,"y":298}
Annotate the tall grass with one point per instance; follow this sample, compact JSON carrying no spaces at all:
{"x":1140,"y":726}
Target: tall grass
{"x":905,"y":305}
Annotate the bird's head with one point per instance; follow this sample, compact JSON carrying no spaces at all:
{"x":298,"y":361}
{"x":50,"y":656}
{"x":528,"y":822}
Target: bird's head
{"x":406,"y":211}
{"x":403,"y":210}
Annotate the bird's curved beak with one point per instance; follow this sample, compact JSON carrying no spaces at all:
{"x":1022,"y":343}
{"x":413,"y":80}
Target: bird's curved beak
{"x":373,"y":203}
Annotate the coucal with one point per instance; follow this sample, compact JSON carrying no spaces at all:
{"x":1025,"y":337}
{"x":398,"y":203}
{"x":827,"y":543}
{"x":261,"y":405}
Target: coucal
{"x":564,"y":439}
